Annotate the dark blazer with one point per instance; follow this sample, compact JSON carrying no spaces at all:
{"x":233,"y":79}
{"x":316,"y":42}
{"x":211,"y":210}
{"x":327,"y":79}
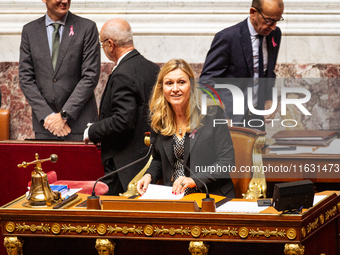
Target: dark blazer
{"x":124,"y":114}
{"x":231,"y":56}
{"x":70,"y":87}
{"x":209,"y":146}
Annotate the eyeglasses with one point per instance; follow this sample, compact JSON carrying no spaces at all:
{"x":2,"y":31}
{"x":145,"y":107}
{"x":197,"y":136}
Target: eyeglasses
{"x":102,"y":42}
{"x":268,"y":21}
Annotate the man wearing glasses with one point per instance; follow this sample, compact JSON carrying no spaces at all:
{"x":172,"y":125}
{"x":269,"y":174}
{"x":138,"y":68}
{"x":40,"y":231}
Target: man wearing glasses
{"x":59,"y":69}
{"x":248,"y":49}
{"x":124,"y":109}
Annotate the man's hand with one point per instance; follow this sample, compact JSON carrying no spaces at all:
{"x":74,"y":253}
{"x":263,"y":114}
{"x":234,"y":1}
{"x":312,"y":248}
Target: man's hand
{"x":267,"y":105}
{"x":56,"y":125}
{"x":64,"y":131}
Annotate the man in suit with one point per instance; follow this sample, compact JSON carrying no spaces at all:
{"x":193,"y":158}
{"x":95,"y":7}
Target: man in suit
{"x":58,"y":71}
{"x":124,"y":106}
{"x":241,"y":51}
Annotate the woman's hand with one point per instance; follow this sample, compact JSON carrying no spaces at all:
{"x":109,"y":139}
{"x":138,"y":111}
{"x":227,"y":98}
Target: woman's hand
{"x":142,"y":184}
{"x":181,"y":184}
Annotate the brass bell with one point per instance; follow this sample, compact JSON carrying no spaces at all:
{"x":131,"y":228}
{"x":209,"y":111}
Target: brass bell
{"x":40,"y":193}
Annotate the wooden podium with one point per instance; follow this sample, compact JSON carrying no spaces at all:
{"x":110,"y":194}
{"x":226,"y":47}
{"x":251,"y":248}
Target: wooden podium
{"x":75,"y":230}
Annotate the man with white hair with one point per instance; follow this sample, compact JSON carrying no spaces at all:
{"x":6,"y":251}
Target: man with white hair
{"x":123,"y":115}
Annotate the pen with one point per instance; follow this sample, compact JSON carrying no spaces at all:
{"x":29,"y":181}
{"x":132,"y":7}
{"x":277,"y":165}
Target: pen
{"x":65,"y":201}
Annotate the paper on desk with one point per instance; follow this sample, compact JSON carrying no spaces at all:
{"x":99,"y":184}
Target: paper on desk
{"x":299,"y":149}
{"x":332,"y":148}
{"x":318,"y":198}
{"x":239,"y":206}
{"x":160,"y":192}
{"x":70,"y":192}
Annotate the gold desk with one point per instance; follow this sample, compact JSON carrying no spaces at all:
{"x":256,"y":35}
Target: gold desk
{"x":74,"y":231}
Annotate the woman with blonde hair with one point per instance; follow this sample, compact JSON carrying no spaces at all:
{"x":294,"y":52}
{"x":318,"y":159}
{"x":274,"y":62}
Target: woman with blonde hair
{"x":184,"y":137}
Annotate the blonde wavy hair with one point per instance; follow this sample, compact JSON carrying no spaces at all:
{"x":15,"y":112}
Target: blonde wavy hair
{"x":162,"y":114}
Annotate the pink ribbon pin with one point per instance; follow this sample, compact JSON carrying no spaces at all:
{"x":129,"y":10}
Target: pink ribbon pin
{"x":192,"y":135}
{"x":71,"y":31}
{"x":274,"y":43}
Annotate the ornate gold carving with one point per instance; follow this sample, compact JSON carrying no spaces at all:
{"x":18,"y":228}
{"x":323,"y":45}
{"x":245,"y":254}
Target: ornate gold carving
{"x":291,"y":234}
{"x":267,"y":233}
{"x":322,"y":219}
{"x":101,"y":229}
{"x":13,"y":245}
{"x":10,"y":227}
{"x":330,"y":213}
{"x":198,"y":247}
{"x":219,"y":232}
{"x":172,"y":231}
{"x":33,"y":228}
{"x":257,"y":186}
{"x":105,"y":247}
{"x":196,"y":231}
{"x":294,"y":249}
{"x":125,"y":230}
{"x":148,"y":230}
{"x":243,"y":232}
{"x":338,"y":204}
{"x":56,"y":228}
{"x":312,"y":225}
{"x":78,"y":229}
{"x":303,"y":232}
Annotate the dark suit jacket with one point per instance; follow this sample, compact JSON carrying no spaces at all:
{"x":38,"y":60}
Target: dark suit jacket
{"x":70,"y":87}
{"x":124,"y":114}
{"x":231,"y":56}
{"x":210,"y":146}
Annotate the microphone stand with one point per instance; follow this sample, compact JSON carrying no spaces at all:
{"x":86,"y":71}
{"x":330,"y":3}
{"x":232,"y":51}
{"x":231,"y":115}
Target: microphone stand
{"x":93,"y":201}
{"x":208,"y":203}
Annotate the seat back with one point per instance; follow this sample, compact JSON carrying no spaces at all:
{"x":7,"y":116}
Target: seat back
{"x":247,"y":146}
{"x":4,"y":124}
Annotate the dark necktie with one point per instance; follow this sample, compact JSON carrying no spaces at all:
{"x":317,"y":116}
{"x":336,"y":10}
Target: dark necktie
{"x":55,"y":43}
{"x":260,"y":56}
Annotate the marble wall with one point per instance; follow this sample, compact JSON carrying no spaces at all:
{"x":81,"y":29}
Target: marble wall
{"x":166,"y":29}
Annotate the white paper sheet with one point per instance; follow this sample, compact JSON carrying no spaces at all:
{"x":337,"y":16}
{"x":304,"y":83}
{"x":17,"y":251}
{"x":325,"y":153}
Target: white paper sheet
{"x":239,"y":206}
{"x":318,"y":198}
{"x":332,"y":148}
{"x":160,"y":192}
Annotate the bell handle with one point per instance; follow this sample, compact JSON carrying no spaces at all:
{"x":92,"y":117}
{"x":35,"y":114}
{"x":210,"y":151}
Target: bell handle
{"x":53,"y":158}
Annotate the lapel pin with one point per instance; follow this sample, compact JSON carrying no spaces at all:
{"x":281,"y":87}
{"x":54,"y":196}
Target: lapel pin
{"x":274,"y":43}
{"x":192,"y":135}
{"x":71,"y":31}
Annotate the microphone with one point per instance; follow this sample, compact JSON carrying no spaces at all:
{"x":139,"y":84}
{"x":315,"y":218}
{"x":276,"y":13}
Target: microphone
{"x":208,"y":203}
{"x":93,"y":201}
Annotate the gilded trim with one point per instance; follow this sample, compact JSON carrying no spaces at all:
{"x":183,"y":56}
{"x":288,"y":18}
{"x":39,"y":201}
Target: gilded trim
{"x":267,"y":233}
{"x":196,"y":231}
{"x":125,"y":230}
{"x":172,"y":231}
{"x":10,"y":227}
{"x":78,"y":229}
{"x":148,"y":230}
{"x":56,"y":229}
{"x":33,"y":228}
{"x":291,"y":234}
{"x":101,"y":229}
{"x":219,"y":232}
